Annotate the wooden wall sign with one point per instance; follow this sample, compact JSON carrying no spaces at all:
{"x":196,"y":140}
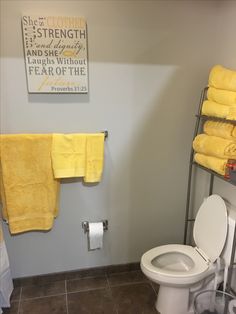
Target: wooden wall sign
{"x":55,"y":50}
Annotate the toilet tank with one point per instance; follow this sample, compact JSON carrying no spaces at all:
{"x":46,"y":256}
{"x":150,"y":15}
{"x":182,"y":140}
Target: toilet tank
{"x":226,"y":253}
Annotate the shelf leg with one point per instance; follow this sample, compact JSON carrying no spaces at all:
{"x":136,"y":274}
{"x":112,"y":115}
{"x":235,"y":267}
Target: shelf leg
{"x":203,"y":96}
{"x":211,"y":184}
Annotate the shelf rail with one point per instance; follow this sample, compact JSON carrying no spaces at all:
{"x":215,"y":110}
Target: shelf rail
{"x":212,"y":175}
{"x":203,"y":96}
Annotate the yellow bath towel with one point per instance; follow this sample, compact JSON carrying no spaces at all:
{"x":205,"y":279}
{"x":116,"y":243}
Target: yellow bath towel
{"x":78,"y":155}
{"x":220,"y":129}
{"x":211,"y":108}
{"x":221,"y":96}
{"x":222,"y":78}
{"x":2,"y":192}
{"x":216,"y":164}
{"x":214,"y":146}
{"x":30,"y":190}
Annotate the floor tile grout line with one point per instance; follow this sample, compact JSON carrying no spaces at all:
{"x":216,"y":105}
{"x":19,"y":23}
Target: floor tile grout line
{"x":153,"y":288}
{"x":128,"y":283}
{"x":108,"y":283}
{"x":44,"y":296}
{"x":109,"y":286}
{"x":123,"y":272}
{"x":42,"y":284}
{"x":82,"y":277}
{"x":112,"y":298}
{"x":84,"y":290}
{"x":19,"y":303}
{"x":90,"y":277}
{"x":67,"y":310}
{"x":103,"y":275}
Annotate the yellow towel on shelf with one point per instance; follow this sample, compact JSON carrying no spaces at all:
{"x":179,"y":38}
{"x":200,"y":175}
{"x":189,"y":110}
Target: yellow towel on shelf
{"x":214,"y":146}
{"x":29,"y":189}
{"x":220,"y":129}
{"x":232,"y":113}
{"x":222,"y":78}
{"x":216,"y":164}
{"x":234,"y":132}
{"x":211,"y":108}
{"x":78,"y":155}
{"x":221,"y":96}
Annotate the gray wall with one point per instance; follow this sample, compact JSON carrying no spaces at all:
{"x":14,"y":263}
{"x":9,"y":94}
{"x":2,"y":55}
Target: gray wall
{"x":148,"y":61}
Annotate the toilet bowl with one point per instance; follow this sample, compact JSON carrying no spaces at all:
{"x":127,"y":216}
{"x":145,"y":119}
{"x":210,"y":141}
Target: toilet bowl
{"x":182,"y":269}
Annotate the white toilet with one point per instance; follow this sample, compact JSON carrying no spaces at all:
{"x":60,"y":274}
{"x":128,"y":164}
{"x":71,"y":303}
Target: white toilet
{"x":181,"y":270}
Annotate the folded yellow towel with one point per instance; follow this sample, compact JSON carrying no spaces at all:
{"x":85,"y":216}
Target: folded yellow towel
{"x":222,"y":78}
{"x":216,"y":164}
{"x":234,"y":132}
{"x":30,"y":190}
{"x":211,"y":108}
{"x":68,"y":155}
{"x":94,"y":157}
{"x":214,"y":146}
{"x":221,"y":96}
{"x":232,"y":113}
{"x":220,"y":129}
{"x":78,"y":155}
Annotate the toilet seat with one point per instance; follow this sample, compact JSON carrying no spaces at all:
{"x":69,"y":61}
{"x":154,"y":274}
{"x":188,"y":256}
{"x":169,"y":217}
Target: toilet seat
{"x":183,"y":264}
{"x":210,"y":227}
{"x":186,"y":265}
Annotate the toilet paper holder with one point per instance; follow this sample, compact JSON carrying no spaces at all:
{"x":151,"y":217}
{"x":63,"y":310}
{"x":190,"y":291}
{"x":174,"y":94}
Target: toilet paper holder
{"x":85,"y":225}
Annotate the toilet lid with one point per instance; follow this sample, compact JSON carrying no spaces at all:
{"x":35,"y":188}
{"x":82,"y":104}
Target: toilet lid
{"x":210,"y":227}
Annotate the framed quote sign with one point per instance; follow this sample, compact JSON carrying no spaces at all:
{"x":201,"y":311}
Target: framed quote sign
{"x":55,"y":50}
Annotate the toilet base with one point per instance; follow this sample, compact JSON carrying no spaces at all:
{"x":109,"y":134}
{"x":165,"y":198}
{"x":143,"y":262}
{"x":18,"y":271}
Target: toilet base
{"x":173,"y":300}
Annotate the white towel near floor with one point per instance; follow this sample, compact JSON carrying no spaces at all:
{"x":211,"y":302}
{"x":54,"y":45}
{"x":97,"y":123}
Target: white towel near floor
{"x":6,"y":285}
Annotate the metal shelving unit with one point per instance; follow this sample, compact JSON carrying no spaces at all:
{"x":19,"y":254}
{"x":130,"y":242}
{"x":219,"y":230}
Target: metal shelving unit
{"x":201,"y":118}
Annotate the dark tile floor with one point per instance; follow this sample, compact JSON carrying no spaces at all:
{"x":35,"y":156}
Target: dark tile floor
{"x":118,"y":293}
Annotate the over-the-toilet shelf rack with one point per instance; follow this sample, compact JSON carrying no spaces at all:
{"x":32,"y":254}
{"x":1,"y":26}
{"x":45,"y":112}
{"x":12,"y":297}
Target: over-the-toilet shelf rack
{"x":200,"y":118}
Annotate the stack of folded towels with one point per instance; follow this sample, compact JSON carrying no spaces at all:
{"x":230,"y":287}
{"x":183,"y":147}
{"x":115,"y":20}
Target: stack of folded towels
{"x":221,"y":94}
{"x":217,"y":144}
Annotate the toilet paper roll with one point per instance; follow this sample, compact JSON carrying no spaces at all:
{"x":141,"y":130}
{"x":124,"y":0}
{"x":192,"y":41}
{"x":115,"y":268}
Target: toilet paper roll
{"x":95,"y":235}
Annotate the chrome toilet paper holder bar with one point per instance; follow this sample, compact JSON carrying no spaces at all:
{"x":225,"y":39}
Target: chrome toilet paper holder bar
{"x":85,"y":225}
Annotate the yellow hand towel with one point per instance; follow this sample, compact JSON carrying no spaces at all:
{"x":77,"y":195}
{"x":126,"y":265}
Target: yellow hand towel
{"x":220,"y":129}
{"x":69,"y":155}
{"x":222,"y":78}
{"x":221,"y":96}
{"x":210,"y":108}
{"x":30,"y":190}
{"x":78,"y":155}
{"x":216,"y":164}
{"x":214,"y":146}
{"x":232,"y":113}
{"x":94,"y":157}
